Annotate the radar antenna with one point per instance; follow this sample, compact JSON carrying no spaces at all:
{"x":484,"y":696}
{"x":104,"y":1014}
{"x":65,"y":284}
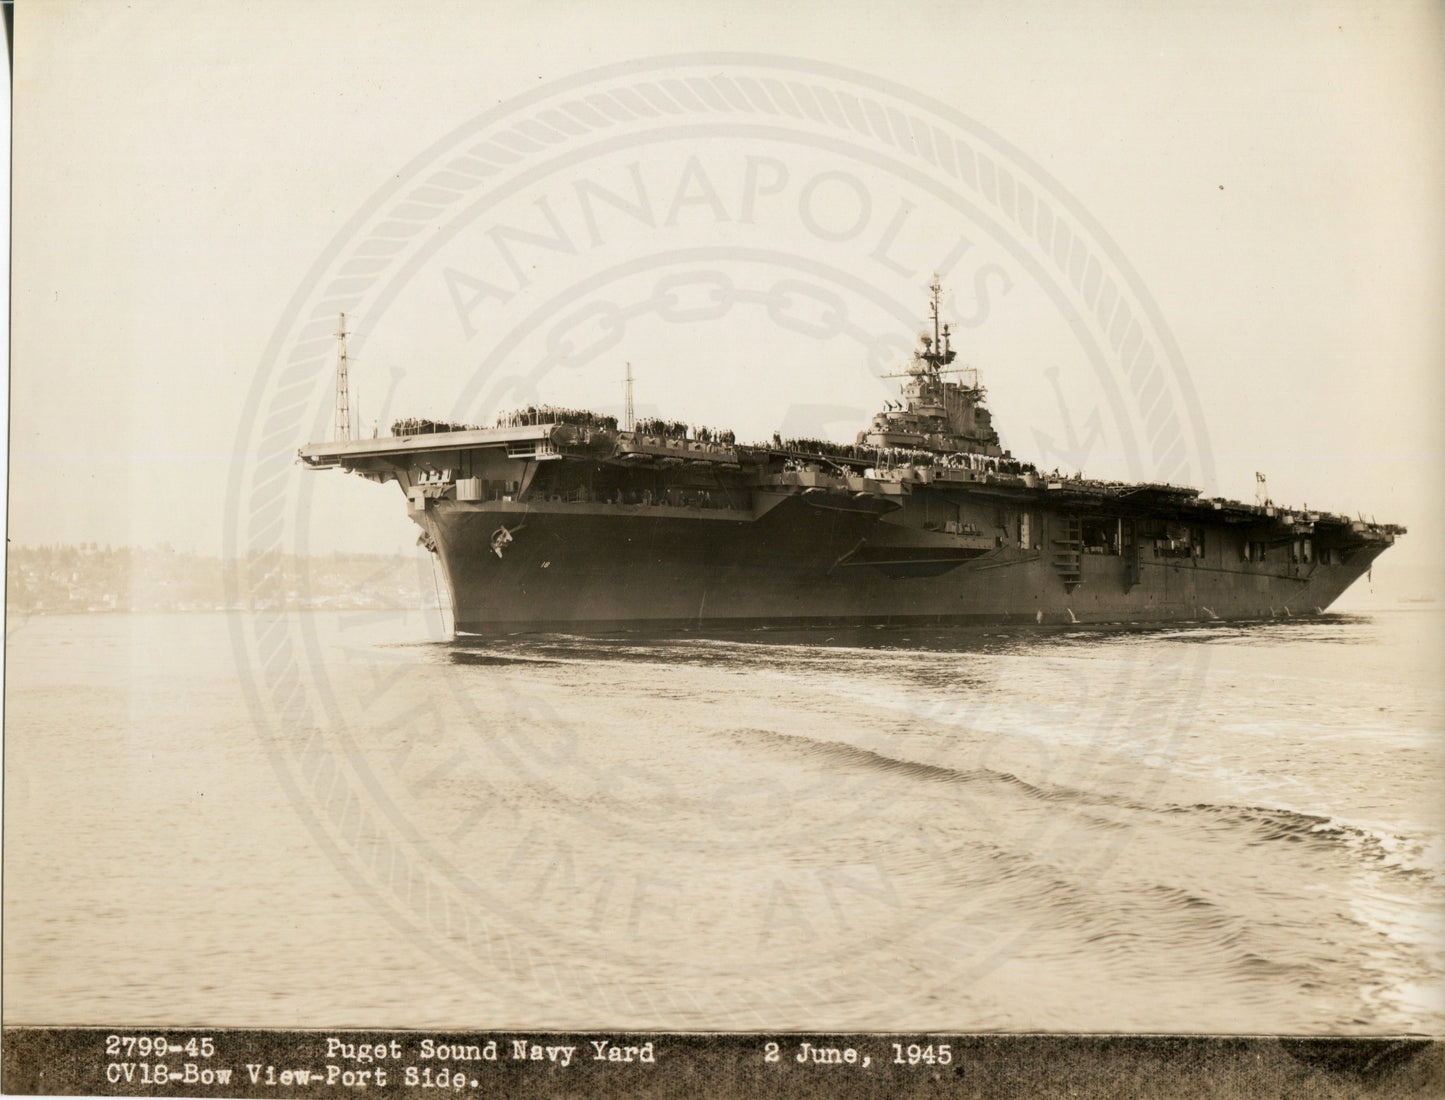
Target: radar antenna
{"x":342,"y":430}
{"x":937,"y":350}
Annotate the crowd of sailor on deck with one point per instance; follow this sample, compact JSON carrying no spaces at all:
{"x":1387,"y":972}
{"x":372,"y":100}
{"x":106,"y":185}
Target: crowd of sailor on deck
{"x":534,"y":415}
{"x":891,"y":458}
{"x":876,"y":458}
{"x":676,"y":429}
{"x":413,"y":425}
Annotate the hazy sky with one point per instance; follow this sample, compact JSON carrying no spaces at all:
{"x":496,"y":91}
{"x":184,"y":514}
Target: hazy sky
{"x":1272,"y":173}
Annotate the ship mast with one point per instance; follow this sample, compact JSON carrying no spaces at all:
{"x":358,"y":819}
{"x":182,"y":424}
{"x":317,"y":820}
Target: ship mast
{"x":937,"y":289}
{"x":342,"y":429}
{"x":629,"y":420}
{"x":938,"y":351}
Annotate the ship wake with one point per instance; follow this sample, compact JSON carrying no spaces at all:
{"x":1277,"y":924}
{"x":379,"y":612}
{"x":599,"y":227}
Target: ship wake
{"x":1372,"y":846}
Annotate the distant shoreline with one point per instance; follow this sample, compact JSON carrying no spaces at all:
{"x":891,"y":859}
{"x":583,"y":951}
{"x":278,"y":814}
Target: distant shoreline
{"x":67,"y":579}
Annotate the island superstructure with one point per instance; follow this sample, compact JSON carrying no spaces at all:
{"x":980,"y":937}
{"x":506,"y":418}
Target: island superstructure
{"x":559,"y":519}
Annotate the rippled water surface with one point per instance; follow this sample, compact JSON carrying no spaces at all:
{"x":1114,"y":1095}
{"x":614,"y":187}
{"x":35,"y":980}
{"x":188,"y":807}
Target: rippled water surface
{"x":1215,"y":828}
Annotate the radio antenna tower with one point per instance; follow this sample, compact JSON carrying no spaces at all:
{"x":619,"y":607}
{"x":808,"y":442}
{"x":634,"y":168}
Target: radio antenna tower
{"x":629,"y":418}
{"x":342,"y":431}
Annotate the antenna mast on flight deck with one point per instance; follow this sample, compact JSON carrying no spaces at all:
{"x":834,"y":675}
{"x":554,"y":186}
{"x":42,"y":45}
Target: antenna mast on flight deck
{"x":343,"y":395}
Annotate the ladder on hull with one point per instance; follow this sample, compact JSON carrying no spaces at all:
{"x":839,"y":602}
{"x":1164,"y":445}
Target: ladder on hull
{"x":1068,"y":549}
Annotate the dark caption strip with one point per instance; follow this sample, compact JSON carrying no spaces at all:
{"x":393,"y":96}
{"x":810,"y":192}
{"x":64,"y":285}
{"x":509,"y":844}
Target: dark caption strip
{"x":204,"y":1062}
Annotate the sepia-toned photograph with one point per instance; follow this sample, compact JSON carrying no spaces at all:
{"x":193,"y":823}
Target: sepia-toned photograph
{"x":725,"y":549}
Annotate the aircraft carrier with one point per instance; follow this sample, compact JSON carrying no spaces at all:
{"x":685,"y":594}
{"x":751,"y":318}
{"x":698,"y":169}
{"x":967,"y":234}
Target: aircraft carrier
{"x":563,"y":520}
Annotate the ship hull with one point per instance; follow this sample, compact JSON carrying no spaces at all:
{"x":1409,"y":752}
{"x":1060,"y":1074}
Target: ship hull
{"x":581,"y":568}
